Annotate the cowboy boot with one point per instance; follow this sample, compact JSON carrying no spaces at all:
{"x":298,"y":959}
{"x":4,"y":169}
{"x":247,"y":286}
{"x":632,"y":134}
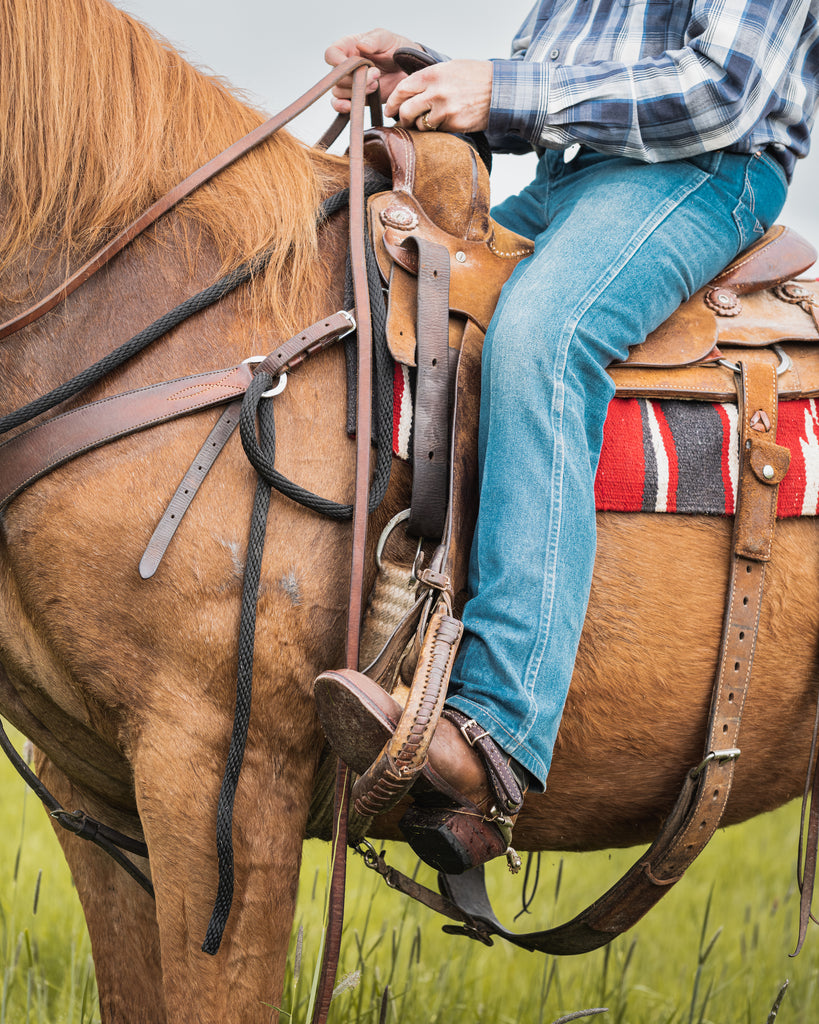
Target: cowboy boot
{"x":466,"y":797}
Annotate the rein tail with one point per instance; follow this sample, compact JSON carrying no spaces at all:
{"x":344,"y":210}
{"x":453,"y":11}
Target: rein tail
{"x":363,"y":282}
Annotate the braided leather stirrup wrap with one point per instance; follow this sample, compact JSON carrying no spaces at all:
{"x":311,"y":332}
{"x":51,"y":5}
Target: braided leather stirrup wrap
{"x":403,"y":758}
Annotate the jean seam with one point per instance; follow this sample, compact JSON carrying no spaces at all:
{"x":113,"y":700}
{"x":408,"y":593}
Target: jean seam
{"x":746,"y":201}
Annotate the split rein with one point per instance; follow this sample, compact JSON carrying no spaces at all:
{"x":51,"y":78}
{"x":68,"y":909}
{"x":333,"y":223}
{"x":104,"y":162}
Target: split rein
{"x":364,"y":295}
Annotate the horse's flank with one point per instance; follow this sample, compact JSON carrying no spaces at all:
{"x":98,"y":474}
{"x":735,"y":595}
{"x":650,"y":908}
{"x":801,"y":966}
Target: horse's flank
{"x":99,"y":117}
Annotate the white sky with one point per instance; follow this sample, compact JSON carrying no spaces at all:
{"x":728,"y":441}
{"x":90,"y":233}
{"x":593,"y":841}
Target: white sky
{"x":274,"y":50}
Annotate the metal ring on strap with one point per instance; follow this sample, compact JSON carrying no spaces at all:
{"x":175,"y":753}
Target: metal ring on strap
{"x":785,"y":362}
{"x":281,"y":381}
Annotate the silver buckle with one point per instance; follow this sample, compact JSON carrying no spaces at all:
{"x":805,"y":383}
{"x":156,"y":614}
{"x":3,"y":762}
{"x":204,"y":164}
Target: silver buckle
{"x":474,"y":739}
{"x":281,"y":380}
{"x":785,"y":362}
{"x":351,"y":319}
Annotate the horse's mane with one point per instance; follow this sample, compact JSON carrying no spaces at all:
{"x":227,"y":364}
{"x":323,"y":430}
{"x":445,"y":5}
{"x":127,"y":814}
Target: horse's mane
{"x":99,"y":117}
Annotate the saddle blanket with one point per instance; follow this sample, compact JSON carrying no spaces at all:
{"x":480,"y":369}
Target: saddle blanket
{"x":677,"y":456}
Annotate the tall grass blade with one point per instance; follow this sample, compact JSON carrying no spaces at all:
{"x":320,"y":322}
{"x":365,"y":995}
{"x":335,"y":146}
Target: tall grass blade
{"x":777,"y":1002}
{"x":385,"y":1005}
{"x":581,"y":1014}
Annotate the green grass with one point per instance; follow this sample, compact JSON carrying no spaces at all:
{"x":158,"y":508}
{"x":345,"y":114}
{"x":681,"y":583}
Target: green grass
{"x":715,"y":950}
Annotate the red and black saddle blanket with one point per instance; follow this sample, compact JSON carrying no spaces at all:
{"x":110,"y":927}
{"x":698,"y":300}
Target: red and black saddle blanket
{"x":677,"y":456}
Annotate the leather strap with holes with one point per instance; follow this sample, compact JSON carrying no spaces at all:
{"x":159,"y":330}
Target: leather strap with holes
{"x":187,"y":489}
{"x":430,"y":442}
{"x":50,"y":444}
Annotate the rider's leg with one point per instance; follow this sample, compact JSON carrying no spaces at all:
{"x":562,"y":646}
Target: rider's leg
{"x":624,"y":244}
{"x":621,"y":245}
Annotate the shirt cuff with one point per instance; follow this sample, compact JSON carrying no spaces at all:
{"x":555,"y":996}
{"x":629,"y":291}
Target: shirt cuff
{"x":520,"y":91}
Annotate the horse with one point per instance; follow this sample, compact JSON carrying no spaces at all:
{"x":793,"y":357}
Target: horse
{"x":126,"y":685}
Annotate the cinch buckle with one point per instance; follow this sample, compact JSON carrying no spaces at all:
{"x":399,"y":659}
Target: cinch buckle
{"x":472,"y":740}
{"x":785,"y":362}
{"x":716,"y":755}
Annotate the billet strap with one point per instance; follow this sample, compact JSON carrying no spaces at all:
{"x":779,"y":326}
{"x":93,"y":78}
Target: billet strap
{"x":187,"y":489}
{"x":181,"y":191}
{"x":430,"y":441}
{"x":702,"y":801}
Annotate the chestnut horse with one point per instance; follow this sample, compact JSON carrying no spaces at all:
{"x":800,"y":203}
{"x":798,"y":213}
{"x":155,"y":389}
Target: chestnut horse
{"x":128,"y":685}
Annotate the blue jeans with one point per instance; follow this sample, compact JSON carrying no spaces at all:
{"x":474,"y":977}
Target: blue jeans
{"x":619,"y":245}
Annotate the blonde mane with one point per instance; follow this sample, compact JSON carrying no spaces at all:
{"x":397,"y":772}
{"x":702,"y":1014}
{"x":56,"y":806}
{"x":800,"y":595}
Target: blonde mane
{"x":99,"y":117}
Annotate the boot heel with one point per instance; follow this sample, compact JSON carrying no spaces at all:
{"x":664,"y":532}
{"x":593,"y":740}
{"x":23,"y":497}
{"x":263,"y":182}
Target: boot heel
{"x":451,"y":839}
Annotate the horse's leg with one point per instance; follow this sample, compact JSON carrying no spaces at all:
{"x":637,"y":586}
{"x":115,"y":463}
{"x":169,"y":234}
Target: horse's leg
{"x":121,"y":921}
{"x":177,"y":770}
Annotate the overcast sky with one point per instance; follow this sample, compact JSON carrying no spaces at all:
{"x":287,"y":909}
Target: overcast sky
{"x":274,"y":50}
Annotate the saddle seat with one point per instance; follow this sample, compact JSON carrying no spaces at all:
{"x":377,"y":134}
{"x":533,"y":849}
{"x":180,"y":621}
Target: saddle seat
{"x":440,"y":193}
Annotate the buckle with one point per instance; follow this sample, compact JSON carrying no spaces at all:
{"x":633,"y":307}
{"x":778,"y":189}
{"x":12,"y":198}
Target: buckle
{"x":281,"y":381}
{"x":471,"y":740}
{"x":350,"y":320}
{"x":715,"y":755}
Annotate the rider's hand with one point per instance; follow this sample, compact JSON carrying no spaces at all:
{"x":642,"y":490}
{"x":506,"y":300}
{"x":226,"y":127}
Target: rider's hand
{"x":454,"y":95}
{"x":378,"y":45}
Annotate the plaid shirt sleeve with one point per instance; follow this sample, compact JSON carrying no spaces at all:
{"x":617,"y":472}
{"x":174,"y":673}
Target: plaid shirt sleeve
{"x":740,"y":61}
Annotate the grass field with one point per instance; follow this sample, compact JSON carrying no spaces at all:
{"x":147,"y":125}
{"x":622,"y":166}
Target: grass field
{"x":715,"y":950}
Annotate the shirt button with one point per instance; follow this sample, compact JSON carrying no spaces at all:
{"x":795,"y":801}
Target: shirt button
{"x":554,"y":54}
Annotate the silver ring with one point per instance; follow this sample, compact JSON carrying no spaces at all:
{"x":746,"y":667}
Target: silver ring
{"x":281,"y":380}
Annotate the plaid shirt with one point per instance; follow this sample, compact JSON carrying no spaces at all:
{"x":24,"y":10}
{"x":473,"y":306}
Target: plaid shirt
{"x":661,"y":79}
